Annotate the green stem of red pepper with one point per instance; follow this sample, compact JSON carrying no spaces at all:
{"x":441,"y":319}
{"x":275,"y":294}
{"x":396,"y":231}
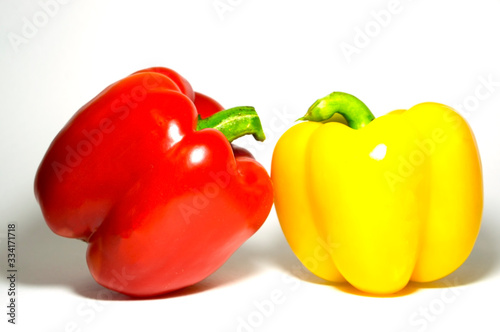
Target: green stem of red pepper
{"x":351,"y":108}
{"x":234,"y":122}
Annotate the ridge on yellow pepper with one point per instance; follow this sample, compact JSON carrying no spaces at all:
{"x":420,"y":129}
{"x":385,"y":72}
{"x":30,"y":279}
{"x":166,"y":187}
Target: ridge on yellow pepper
{"x":378,"y":202}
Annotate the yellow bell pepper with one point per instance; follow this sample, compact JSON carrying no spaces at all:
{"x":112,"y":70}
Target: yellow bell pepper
{"x":378,"y":202}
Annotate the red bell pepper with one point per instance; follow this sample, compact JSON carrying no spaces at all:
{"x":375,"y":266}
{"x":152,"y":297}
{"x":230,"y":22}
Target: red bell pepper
{"x":161,"y":198}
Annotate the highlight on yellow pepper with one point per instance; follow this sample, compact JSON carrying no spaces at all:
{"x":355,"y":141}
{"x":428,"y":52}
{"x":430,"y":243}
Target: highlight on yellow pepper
{"x":378,"y":202}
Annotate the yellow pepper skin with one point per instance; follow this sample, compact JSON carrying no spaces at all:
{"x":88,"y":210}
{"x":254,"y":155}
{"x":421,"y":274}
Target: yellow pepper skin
{"x":399,"y":198}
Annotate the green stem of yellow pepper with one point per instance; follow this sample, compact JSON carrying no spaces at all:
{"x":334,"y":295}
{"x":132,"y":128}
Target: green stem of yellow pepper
{"x":351,"y":108}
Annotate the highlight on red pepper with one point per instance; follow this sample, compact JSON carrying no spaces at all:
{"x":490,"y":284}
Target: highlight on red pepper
{"x":146,"y":174}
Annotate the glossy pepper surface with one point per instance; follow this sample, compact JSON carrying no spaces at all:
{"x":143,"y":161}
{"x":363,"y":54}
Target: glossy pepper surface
{"x":162,"y":198}
{"x":378,"y":202}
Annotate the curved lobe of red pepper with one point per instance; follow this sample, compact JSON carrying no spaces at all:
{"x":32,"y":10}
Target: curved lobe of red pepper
{"x":84,"y":169}
{"x":182,"y":84}
{"x":206,"y":106}
{"x":171,"y":209}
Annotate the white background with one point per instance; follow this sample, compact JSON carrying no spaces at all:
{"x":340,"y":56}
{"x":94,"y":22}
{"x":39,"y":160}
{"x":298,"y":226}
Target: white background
{"x":279,"y":56}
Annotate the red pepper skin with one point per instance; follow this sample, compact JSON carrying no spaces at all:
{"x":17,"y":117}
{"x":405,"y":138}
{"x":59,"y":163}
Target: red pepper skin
{"x":161,"y":205}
